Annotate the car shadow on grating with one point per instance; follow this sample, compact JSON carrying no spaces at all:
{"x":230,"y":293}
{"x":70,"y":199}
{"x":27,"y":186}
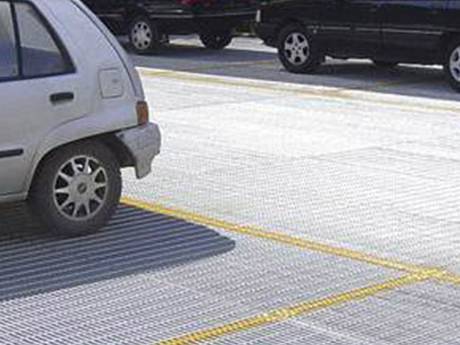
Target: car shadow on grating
{"x":135,"y":241}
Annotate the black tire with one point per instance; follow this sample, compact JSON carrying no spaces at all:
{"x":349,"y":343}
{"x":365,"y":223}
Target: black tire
{"x":385,"y":64}
{"x":304,"y":50}
{"x":143,"y":35}
{"x":43,"y":200}
{"x":216,"y":40}
{"x":453,"y":71}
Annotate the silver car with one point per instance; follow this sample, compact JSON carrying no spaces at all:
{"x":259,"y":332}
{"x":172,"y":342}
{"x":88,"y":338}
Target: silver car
{"x":72,"y":113}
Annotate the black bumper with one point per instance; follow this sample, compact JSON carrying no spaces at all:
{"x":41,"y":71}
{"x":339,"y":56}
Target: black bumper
{"x":268,"y":33}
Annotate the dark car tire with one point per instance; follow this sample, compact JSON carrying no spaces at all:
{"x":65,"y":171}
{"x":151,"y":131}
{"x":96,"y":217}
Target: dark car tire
{"x":298,"y":50}
{"x":452,"y":65}
{"x":58,"y":188}
{"x":143,"y":35}
{"x":385,"y":64}
{"x":216,"y":40}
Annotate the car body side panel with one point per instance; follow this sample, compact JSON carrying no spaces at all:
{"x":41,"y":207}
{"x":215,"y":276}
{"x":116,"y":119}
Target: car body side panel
{"x":412,"y":30}
{"x":88,"y":114}
{"x":392,"y":30}
{"x":363,"y":18}
{"x":25,"y":119}
{"x":28,"y":114}
{"x":133,"y":75}
{"x":173,"y":17}
{"x":350,"y":27}
{"x":82,"y":128}
{"x":277,"y":14}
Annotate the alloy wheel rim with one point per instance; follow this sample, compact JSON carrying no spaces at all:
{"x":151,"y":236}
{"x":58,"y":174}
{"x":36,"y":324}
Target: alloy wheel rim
{"x":141,"y":35}
{"x":454,"y":64}
{"x":80,"y":188}
{"x":297,"y":48}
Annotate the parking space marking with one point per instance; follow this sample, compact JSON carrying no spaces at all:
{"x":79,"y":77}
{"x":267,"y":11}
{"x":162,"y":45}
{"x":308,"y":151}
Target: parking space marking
{"x":450,"y":278}
{"x":385,"y":84}
{"x":438,"y":274}
{"x":230,"y":65}
{"x":282,"y":314}
{"x":301,"y":90}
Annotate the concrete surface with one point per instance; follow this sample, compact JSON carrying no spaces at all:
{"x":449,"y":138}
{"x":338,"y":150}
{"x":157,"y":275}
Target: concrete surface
{"x":318,"y":209}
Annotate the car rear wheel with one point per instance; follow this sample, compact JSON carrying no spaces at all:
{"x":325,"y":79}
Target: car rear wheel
{"x":385,"y":64}
{"x":297,"y":50}
{"x":452,"y":65}
{"x":143,"y":35}
{"x":216,"y":40}
{"x":76,"y":189}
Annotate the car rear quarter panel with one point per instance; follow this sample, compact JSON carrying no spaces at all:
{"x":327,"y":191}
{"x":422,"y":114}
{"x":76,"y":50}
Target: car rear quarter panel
{"x":282,"y":13}
{"x":91,"y":52}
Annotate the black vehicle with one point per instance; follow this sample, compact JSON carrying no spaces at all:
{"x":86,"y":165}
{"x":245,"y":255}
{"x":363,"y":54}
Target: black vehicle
{"x":387,"y":31}
{"x":149,"y":22}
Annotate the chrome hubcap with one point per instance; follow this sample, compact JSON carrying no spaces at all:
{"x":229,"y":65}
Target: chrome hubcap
{"x":297,"y":48}
{"x":141,"y":35}
{"x":454,"y":64}
{"x":80,"y":188}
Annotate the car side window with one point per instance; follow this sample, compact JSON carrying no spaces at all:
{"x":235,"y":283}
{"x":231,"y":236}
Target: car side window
{"x":8,"y":51}
{"x":40,"y":52}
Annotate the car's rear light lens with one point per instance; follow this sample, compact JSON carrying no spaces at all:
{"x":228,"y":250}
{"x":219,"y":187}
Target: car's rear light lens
{"x":142,"y":109}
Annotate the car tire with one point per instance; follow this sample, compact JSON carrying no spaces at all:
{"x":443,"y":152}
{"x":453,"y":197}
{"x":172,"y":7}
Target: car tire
{"x":216,"y":40}
{"x":76,"y":189}
{"x":143,"y":35}
{"x":452,"y":65}
{"x":385,"y":64}
{"x":298,"y":50}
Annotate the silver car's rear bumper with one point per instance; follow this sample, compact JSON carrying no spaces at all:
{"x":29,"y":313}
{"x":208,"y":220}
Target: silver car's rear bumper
{"x":144,"y":143}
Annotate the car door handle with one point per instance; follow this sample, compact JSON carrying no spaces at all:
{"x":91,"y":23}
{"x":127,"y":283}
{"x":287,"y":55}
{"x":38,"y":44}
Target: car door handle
{"x":61,"y":97}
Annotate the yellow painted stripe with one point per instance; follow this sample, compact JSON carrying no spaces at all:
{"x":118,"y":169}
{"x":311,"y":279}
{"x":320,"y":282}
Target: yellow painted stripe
{"x":436,"y":273}
{"x":276,"y":236}
{"x":448,"y":277}
{"x":283,"y":314}
{"x":225,"y":66}
{"x":348,"y":94}
{"x":416,"y":274}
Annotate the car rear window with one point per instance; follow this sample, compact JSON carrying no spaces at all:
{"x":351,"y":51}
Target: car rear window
{"x":8,"y":52}
{"x":40,"y":53}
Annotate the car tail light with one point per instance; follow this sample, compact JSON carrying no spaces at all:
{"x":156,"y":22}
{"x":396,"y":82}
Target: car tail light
{"x":142,"y":109}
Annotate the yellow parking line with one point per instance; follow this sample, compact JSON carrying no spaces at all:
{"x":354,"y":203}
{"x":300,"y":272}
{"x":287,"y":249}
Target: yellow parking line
{"x":448,"y":277}
{"x":286,"y":313}
{"x":434,"y":272}
{"x":224,"y":66}
{"x":348,"y":94}
{"x":150,"y":72}
{"x":416,"y":274}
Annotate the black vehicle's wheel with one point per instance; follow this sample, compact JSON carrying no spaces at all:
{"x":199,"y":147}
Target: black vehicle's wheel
{"x":297,"y":50}
{"x":452,"y":65}
{"x":76,"y":189}
{"x":216,"y":40}
{"x":143,"y":35}
{"x":385,"y":64}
